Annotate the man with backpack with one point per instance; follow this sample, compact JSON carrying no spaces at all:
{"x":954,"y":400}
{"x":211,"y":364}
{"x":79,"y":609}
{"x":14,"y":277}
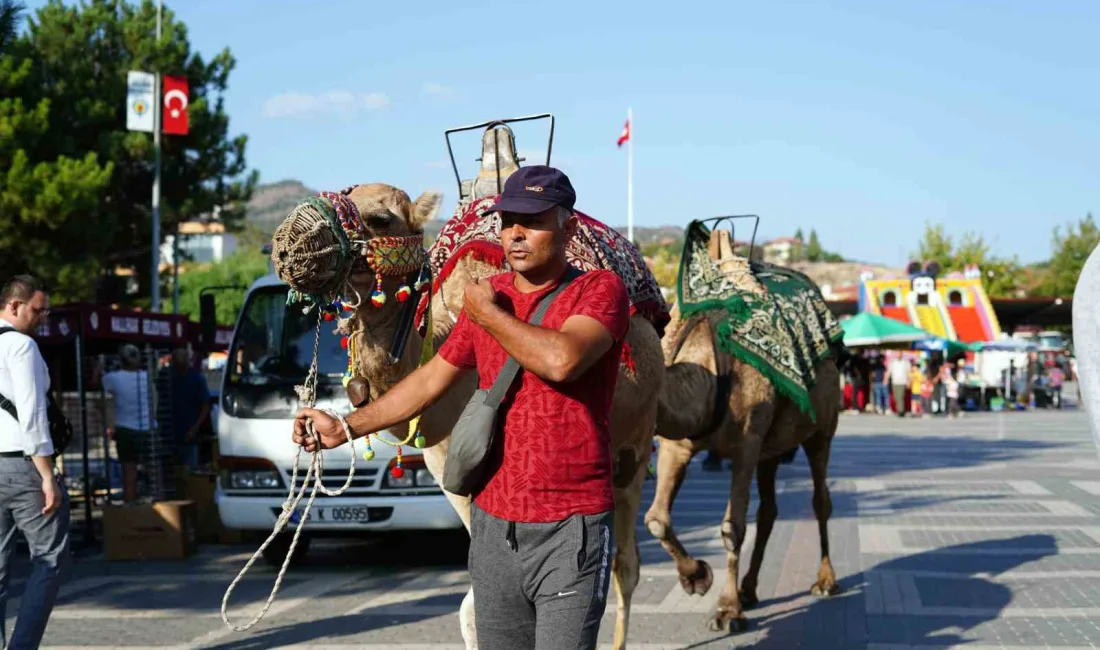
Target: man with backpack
{"x":31,"y":500}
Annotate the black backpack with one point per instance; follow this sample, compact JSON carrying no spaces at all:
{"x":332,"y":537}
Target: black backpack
{"x":61,"y":432}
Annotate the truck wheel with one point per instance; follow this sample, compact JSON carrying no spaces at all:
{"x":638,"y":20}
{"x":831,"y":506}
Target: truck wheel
{"x":277,"y":550}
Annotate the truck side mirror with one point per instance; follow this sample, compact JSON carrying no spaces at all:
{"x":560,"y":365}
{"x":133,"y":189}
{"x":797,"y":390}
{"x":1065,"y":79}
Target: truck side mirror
{"x":208,"y":319}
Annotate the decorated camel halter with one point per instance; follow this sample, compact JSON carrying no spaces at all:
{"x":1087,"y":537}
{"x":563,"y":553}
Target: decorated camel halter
{"x":316,"y":250}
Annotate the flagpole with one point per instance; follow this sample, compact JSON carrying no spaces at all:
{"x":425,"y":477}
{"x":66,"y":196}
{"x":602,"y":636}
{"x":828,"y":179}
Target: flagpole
{"x":630,"y":175}
{"x":157,"y":102}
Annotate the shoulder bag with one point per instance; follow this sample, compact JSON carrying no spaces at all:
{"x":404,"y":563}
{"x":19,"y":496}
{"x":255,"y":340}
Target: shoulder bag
{"x":477,"y":427}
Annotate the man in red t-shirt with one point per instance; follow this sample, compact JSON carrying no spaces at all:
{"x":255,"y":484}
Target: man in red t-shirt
{"x":541,"y":525}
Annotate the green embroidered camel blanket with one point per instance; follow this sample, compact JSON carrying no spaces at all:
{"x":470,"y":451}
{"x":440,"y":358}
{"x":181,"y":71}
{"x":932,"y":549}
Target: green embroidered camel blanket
{"x":783,"y":330}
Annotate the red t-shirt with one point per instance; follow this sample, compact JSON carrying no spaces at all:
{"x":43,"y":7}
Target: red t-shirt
{"x":555,"y":460}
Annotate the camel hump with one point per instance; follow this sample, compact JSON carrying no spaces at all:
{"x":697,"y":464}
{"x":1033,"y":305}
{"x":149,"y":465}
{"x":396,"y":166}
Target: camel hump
{"x":499,"y":160}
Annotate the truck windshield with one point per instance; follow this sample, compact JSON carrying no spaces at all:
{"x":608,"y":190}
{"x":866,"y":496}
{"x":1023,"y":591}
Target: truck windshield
{"x":274,"y":343}
{"x":271,"y":354}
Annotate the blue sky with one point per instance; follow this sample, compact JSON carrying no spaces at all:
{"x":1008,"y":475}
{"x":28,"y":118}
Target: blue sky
{"x":860,"y":118}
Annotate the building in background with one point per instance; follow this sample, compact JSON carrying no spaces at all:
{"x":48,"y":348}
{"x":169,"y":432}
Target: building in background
{"x":201,"y":242}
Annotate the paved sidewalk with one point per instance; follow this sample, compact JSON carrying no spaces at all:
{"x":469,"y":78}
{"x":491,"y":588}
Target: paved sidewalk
{"x":982,"y":532}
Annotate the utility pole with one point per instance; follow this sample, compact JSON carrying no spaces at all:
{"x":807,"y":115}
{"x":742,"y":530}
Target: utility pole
{"x":158,"y":101}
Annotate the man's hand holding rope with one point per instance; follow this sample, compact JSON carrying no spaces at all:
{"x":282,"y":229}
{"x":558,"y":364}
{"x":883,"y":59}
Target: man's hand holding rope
{"x":328,"y":429}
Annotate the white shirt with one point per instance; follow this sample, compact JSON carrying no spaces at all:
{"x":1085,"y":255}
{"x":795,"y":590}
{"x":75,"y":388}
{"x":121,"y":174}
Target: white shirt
{"x":130,"y":389}
{"x":25,"y":381}
{"x":899,"y":371}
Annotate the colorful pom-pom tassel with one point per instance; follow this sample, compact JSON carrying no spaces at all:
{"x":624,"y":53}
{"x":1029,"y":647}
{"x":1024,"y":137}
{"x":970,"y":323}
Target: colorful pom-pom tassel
{"x":344,"y":343}
{"x":419,"y":442}
{"x":378,"y":298}
{"x":368,"y":454}
{"x":403,"y":293}
{"x":398,"y":471}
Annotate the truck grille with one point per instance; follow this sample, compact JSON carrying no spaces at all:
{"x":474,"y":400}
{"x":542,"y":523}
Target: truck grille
{"x":333,"y":479}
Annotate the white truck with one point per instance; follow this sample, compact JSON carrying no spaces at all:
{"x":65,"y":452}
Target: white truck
{"x":271,"y":352}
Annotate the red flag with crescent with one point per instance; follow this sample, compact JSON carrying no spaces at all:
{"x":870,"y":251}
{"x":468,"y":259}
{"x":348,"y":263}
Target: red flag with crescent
{"x":174,"y":115}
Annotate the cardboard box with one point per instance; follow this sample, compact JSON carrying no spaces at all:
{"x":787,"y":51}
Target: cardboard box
{"x":200,"y":488}
{"x":166,"y":530}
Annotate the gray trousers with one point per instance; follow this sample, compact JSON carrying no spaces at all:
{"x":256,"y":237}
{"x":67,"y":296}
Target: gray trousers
{"x":21,"y":503}
{"x":540,"y":586}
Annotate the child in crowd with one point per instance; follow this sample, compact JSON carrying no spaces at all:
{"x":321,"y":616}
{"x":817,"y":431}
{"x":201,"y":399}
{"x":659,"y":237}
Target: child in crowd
{"x":951,"y":386}
{"x":916,"y":391}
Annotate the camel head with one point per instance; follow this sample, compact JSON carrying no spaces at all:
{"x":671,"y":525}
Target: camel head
{"x":361,"y":251}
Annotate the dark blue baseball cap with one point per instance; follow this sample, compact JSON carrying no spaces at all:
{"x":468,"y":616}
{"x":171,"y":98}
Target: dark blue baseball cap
{"x":531,"y":190}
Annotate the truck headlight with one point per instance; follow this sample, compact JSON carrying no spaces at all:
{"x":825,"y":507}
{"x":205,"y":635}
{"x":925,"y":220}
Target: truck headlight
{"x":406,"y":480}
{"x":254,"y":480}
{"x":424,"y":478}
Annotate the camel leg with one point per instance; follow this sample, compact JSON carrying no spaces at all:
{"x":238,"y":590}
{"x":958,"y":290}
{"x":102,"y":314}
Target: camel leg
{"x":728,"y":616}
{"x":435,"y":458}
{"x":626,"y":565}
{"x":766,"y":515}
{"x":673,"y":457}
{"x":817,"y":451}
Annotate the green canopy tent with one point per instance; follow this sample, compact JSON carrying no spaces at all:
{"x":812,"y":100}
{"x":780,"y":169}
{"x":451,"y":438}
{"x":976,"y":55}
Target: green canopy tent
{"x":867,"y":330}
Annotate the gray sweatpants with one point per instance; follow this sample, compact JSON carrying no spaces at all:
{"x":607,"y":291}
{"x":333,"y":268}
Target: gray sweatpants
{"x":540,"y":586}
{"x":21,"y":503}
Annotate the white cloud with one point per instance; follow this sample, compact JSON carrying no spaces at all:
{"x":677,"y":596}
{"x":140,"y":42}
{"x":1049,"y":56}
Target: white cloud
{"x":375,"y":100}
{"x":432,"y":89}
{"x":336,"y":103}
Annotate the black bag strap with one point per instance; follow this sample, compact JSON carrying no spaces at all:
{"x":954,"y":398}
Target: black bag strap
{"x":5,"y":403}
{"x":511,"y":367}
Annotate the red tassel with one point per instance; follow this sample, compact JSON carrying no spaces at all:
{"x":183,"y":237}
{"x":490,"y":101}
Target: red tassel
{"x":627,"y":358}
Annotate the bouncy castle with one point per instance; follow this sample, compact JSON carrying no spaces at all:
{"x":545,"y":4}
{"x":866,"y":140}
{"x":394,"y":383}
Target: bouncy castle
{"x":954,"y":307}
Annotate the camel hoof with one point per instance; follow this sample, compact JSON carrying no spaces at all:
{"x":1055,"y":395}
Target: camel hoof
{"x":656,"y":528}
{"x":700,"y":580}
{"x":823,"y":589}
{"x":724,"y":622}
{"x":748,"y":599}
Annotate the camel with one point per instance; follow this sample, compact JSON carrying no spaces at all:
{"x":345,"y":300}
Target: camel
{"x":388,"y":211}
{"x":753,"y":426}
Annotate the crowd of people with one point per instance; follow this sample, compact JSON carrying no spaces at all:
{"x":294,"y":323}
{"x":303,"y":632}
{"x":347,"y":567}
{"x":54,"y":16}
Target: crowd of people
{"x":925,"y":384}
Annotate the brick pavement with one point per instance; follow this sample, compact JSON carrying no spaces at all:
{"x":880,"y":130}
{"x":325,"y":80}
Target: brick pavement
{"x":982,"y":533}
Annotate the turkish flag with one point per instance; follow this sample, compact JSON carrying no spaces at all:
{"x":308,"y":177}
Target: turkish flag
{"x":625,"y":135}
{"x":174,"y":115}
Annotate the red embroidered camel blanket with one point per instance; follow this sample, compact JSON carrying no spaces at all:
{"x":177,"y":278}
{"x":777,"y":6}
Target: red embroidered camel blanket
{"x":594,"y":246}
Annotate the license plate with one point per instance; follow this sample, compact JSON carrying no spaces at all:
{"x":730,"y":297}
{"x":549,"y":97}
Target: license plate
{"x":333,"y":515}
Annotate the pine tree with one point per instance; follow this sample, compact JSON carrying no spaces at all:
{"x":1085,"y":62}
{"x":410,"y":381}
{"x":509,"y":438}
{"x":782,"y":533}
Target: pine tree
{"x":814,"y":251}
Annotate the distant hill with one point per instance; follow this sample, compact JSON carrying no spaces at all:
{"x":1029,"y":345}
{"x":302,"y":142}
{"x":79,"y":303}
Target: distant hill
{"x":272,"y":202}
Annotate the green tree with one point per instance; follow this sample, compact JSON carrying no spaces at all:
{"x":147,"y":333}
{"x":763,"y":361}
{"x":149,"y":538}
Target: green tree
{"x":936,"y":245}
{"x":1071,"y":250}
{"x":242,"y":268}
{"x":76,"y":61}
{"x":48,"y":199}
{"x":798,"y":235}
{"x":814,"y":251}
{"x":11,"y":12}
{"x":1001,"y":277}
{"x":665,"y":265}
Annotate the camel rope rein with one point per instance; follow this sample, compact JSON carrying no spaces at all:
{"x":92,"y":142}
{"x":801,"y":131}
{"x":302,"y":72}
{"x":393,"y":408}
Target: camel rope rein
{"x":302,"y":239}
